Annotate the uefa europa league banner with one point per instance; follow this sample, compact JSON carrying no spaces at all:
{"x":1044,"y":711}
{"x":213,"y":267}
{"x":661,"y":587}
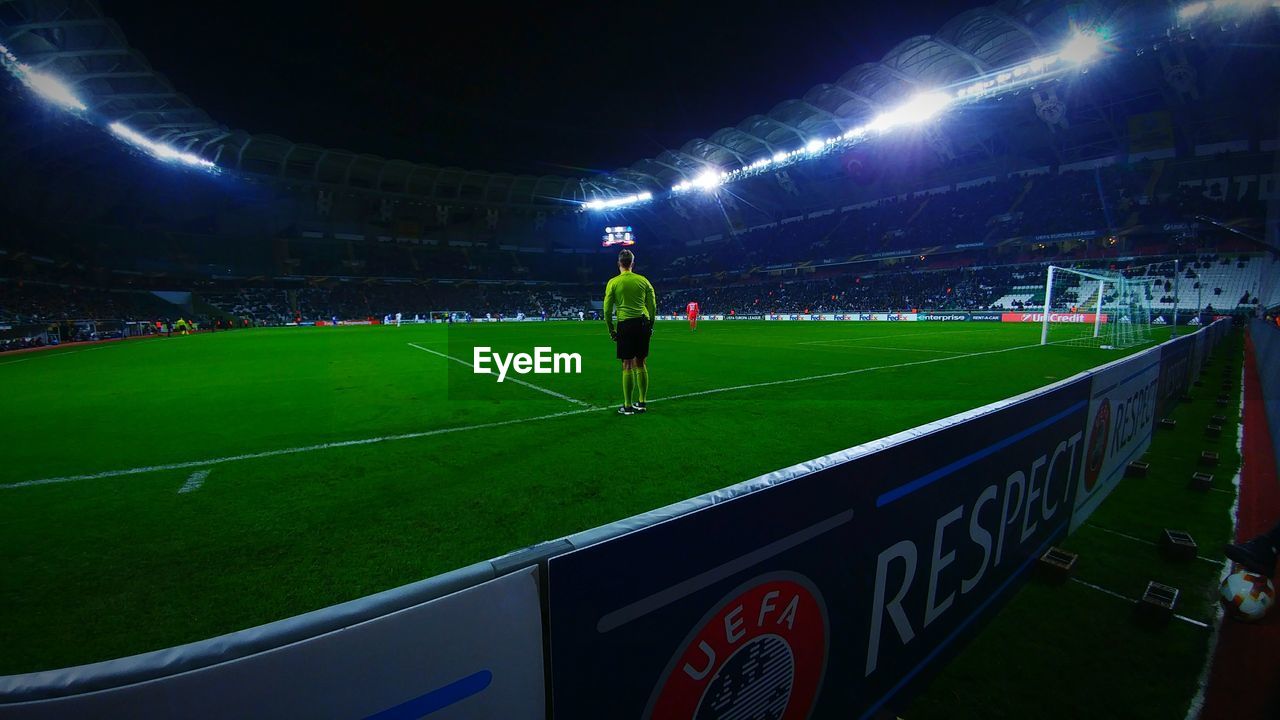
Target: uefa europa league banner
{"x":1122,"y":412}
{"x":827,"y":593}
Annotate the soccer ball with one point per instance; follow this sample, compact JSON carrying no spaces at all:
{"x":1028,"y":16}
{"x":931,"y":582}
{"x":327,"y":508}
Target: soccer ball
{"x":1247,"y":595}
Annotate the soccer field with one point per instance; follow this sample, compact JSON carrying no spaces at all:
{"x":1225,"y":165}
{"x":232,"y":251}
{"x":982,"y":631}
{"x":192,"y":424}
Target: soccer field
{"x":167,"y":490}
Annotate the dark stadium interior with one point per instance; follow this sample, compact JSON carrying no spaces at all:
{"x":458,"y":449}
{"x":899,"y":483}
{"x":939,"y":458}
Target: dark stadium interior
{"x":362,"y":236}
{"x":188,"y":168}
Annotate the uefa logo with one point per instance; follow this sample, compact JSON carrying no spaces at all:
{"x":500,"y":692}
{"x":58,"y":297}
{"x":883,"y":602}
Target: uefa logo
{"x":1097,"y":447}
{"x":761,"y":652}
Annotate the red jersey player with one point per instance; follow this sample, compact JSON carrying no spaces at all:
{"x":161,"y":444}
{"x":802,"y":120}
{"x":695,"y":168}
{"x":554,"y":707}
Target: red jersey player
{"x":692,"y":310}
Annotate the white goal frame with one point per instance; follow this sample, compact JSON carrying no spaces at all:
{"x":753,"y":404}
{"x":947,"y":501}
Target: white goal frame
{"x":1121,"y":300}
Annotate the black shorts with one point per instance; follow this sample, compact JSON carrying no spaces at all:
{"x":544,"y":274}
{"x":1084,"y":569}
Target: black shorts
{"x":633,"y":338}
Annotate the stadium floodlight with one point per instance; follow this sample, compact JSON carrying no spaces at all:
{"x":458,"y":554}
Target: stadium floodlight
{"x":46,"y":86}
{"x":1241,"y":6}
{"x":924,"y":107}
{"x":779,"y":157}
{"x":50,"y":88}
{"x":1192,"y":10}
{"x":617,"y":202}
{"x":1081,"y":48}
{"x":708,"y":180}
{"x":918,"y":109}
{"x":814,"y":146}
{"x":159,"y":150}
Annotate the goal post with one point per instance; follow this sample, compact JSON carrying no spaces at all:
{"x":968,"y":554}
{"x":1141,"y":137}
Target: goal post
{"x":1098,"y":308}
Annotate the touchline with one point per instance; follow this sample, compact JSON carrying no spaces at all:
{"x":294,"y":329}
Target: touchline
{"x":543,"y":361}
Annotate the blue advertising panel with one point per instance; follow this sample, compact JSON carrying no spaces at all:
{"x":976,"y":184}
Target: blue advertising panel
{"x":826,"y":594}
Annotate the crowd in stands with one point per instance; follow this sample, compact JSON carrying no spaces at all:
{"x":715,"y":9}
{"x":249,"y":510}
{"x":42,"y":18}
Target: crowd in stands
{"x":320,"y":279}
{"x":960,"y":288}
{"x":23,"y":343}
{"x":35,"y":302}
{"x":377,"y":300}
{"x":903,"y":287}
{"x":941,"y":290}
{"x":1109,"y":199}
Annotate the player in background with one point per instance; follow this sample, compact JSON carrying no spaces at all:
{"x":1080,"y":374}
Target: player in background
{"x":633,"y":297}
{"x":398,"y":317}
{"x":692,"y":310}
{"x":581,"y":316}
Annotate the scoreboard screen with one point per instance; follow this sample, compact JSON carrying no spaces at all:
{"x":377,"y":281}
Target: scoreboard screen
{"x":619,"y":235}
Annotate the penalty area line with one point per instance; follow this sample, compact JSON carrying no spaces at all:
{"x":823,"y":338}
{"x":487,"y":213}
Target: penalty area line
{"x":465,"y":428}
{"x":518,"y":381}
{"x":894,"y":349}
{"x":840,"y":373}
{"x":289,"y":451}
{"x":903,"y":335}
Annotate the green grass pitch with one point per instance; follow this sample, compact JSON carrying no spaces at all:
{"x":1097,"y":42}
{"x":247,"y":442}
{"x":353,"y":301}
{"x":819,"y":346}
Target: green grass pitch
{"x":345,"y":461}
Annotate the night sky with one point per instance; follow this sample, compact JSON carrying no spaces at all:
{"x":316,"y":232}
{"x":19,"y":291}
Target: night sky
{"x":532,"y":88}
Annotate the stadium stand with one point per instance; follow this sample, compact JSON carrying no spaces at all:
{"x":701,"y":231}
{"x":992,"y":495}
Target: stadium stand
{"x":1162,"y":156}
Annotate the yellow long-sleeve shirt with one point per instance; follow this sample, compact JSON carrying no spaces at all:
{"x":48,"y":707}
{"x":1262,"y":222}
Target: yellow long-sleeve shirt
{"x":632,"y":296}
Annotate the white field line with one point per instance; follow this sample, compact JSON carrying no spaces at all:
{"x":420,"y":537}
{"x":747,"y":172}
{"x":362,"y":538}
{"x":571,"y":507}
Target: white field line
{"x":52,"y":355}
{"x":897,"y":349}
{"x":518,"y":381}
{"x":463,"y":428}
{"x":1114,"y":594}
{"x":1202,"y":683}
{"x":1117,"y":533}
{"x":195,"y":481}
{"x":898,"y":335}
{"x":840,"y":373}
{"x":288,"y":451}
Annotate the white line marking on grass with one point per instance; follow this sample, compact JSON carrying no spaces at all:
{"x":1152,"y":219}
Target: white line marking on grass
{"x":1114,"y":594}
{"x":1202,"y":683}
{"x":1211,"y":561}
{"x":442,"y":431}
{"x":553,"y":393}
{"x":840,"y":373}
{"x":289,"y":451}
{"x":52,"y":354}
{"x":49,"y":355}
{"x":898,"y":335}
{"x":195,"y":481}
{"x":897,"y":349}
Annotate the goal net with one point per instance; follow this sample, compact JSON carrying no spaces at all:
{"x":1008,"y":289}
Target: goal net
{"x":1099,"y":308}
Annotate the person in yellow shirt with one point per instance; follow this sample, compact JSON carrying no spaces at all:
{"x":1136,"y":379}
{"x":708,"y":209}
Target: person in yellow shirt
{"x":632,"y":296}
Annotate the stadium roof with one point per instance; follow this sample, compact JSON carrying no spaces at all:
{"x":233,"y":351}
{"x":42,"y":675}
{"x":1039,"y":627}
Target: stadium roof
{"x":976,"y":42}
{"x":73,"y":40}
